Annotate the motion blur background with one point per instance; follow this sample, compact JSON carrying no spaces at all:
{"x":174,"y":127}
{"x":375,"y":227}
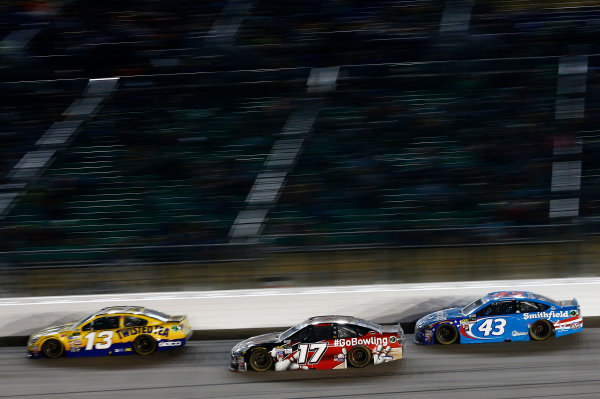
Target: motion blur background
{"x":161,"y":145}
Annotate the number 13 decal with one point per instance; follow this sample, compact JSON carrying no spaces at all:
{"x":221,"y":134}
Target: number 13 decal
{"x":497,"y":329}
{"x":106,"y":337}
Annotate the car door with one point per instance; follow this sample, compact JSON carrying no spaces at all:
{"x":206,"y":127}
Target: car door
{"x":526,"y":313}
{"x":313,"y":345}
{"x":493,"y":322}
{"x":99,"y":335}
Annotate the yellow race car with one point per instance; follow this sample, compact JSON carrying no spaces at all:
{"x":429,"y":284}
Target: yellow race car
{"x":117,"y":330}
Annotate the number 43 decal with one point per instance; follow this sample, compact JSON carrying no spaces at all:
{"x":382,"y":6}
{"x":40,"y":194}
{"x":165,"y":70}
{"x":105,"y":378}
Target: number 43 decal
{"x":497,"y":329}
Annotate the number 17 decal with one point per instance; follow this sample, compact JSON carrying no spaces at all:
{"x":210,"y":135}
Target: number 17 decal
{"x":303,"y":350}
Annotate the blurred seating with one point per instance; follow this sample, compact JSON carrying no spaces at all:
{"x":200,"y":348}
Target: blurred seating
{"x":158,"y":165}
{"x":425,"y":132}
{"x":403,"y":152}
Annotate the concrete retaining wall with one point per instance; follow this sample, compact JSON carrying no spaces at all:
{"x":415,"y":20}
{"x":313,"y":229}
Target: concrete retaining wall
{"x":258,"y":309}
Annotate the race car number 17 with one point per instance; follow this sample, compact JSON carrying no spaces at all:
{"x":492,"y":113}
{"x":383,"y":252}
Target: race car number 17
{"x":317,"y":355}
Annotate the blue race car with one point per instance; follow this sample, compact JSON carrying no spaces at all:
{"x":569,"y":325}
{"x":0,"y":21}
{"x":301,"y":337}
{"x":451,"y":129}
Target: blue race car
{"x":501,"y":316}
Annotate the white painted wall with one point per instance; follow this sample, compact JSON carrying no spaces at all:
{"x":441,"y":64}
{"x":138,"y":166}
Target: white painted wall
{"x":261,"y":308}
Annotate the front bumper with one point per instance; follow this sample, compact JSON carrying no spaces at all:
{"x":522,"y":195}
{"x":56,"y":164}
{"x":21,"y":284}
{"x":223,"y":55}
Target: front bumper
{"x":33,"y":354}
{"x":423,"y":336}
{"x":238,"y":363}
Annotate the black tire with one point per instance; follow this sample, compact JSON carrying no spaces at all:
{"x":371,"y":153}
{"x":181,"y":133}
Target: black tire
{"x":260,"y":360}
{"x":540,"y":330}
{"x":53,"y":349}
{"x":144,"y":345}
{"x":359,"y":356}
{"x":446,"y":334}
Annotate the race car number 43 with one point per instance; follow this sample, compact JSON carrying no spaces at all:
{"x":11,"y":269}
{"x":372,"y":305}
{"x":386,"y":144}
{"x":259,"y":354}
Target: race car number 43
{"x":492,"y":326}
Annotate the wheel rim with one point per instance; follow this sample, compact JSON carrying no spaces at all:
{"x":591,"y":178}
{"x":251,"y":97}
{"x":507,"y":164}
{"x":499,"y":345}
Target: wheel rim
{"x":144,"y":345}
{"x":446,"y":334}
{"x":260,"y":360}
{"x":541,"y":329}
{"x":358,"y":356}
{"x":52,"y":348}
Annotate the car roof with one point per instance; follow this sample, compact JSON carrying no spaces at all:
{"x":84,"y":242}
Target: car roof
{"x":121,"y":309}
{"x":136,"y":310}
{"x":342,"y":320}
{"x":500,"y":295}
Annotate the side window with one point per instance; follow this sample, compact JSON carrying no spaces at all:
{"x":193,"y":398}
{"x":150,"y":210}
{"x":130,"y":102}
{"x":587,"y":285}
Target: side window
{"x":351,"y":331}
{"x":322,"y":332}
{"x":506,"y":307}
{"x":542,"y":306}
{"x":302,"y":335}
{"x":361,"y":331}
{"x":498,"y":308}
{"x":313,"y":333}
{"x":132,"y":321}
{"x":346,"y":331}
{"x":486,"y":311}
{"x":527,"y":307}
{"x":87,"y":327}
{"x":106,"y":323}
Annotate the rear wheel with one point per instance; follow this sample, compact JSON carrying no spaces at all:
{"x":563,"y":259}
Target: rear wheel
{"x":359,"y":356}
{"x":446,"y":334}
{"x":260,"y":360}
{"x":53,"y":349}
{"x":144,"y":345}
{"x":540,"y":330}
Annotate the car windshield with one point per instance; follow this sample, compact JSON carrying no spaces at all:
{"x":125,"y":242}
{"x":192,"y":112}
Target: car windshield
{"x":467,"y":310}
{"x":82,"y":321}
{"x":290,"y":331}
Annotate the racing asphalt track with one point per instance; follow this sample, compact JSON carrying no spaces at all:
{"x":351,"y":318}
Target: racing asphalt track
{"x":566,"y":367}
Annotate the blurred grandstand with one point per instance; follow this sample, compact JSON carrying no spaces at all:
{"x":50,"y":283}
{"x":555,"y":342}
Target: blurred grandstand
{"x":158,"y":145}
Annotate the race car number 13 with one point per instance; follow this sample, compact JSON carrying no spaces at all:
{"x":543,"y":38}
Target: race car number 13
{"x":497,"y":329}
{"x":106,"y":342}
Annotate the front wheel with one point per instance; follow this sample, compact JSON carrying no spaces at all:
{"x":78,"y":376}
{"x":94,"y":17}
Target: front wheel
{"x":540,"y":330}
{"x":144,"y":345}
{"x":359,"y":356}
{"x":446,"y":334}
{"x":53,"y":349}
{"x":260,"y":360}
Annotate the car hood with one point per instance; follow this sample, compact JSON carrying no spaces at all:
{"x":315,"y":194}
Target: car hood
{"x":53,"y":330}
{"x":246,"y":344}
{"x":442,"y":315}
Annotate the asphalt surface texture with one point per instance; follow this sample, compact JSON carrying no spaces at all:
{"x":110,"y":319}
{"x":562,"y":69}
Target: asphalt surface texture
{"x":565,"y":367}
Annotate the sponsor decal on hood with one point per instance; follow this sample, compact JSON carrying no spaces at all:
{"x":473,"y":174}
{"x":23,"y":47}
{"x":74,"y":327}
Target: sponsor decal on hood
{"x":269,"y":338}
{"x":53,"y":330}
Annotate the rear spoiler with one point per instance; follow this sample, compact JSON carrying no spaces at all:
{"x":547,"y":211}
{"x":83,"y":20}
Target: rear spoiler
{"x":572,"y":302}
{"x":179,"y":318}
{"x":392,"y":328}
